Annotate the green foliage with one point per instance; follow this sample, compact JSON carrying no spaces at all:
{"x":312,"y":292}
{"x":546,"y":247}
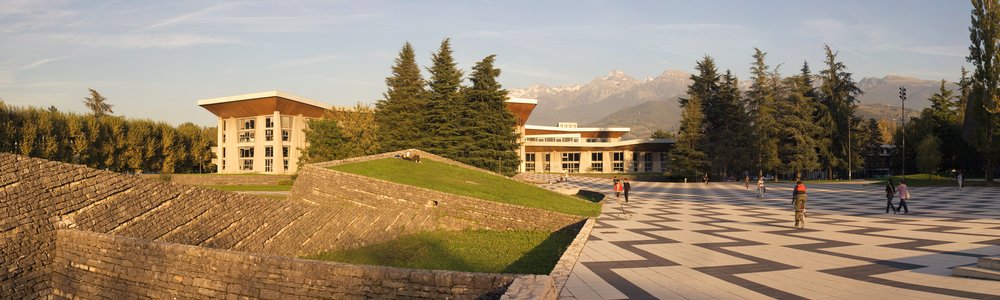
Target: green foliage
{"x":398,"y":115}
{"x":460,"y":181}
{"x":107,"y":142}
{"x":981,"y":126}
{"x":661,"y":134}
{"x":838,"y":93}
{"x":929,"y":154}
{"x":445,"y":113}
{"x":490,"y":126}
{"x":518,"y":252}
{"x":796,"y":131}
{"x":326,"y":141}
{"x":762,"y":107}
{"x":359,"y":128}
{"x":97,"y":104}
{"x":687,"y":158}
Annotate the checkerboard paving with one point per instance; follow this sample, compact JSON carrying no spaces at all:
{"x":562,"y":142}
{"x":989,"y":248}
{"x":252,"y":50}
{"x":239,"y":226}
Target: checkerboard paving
{"x":717,"y":240}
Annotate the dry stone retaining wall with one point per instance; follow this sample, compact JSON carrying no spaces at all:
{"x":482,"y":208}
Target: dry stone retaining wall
{"x":223,"y":179}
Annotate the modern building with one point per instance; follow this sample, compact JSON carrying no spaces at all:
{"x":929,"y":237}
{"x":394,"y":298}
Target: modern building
{"x":261,"y":132}
{"x":572,"y":149}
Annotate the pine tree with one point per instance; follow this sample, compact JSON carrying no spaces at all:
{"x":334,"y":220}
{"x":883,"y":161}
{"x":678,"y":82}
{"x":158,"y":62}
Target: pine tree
{"x":761,"y":98}
{"x":872,"y":149}
{"x":444,"y":112}
{"x":965,"y":88}
{"x":661,"y":134}
{"x":688,"y":159}
{"x":796,"y":132}
{"x":981,"y":125}
{"x":839,"y":93}
{"x":726,"y":126}
{"x":495,"y":143}
{"x":398,"y":115}
{"x":97,"y":104}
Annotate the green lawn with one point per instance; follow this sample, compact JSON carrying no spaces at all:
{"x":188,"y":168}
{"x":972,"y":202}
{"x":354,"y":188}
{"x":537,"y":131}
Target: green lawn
{"x":521,"y":252}
{"x":253,"y":188}
{"x":460,"y":181}
{"x":922,"y":180}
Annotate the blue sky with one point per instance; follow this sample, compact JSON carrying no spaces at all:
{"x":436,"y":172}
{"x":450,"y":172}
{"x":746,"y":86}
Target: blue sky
{"x":154,"y":59}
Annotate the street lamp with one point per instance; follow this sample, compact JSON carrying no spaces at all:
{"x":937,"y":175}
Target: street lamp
{"x":902,"y":119}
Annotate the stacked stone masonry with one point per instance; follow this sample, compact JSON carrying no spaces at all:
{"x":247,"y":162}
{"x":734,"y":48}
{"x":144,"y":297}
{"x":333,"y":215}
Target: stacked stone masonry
{"x":39,"y":196}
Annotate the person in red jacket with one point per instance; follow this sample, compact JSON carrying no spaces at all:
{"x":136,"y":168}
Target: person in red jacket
{"x":799,"y":200}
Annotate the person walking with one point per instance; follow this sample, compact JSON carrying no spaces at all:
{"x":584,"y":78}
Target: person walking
{"x":890,"y":190}
{"x":746,"y":181}
{"x":618,"y":189}
{"x":799,"y":201}
{"x":904,"y":194}
{"x":760,"y":188}
{"x":626,"y":187}
{"x":961,"y":180}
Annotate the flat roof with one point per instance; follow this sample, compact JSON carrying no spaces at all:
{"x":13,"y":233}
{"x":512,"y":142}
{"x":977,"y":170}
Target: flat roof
{"x":577,"y":129}
{"x":274,"y":93}
{"x":522,"y":100}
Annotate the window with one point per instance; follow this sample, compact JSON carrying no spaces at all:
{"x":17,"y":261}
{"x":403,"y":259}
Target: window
{"x":618,"y":161}
{"x":663,"y":161}
{"x":223,"y":152}
{"x":268,"y":123}
{"x":284,"y":151}
{"x":529,"y":162}
{"x":268,"y":165}
{"x":223,"y":165}
{"x":223,"y":137}
{"x":647,"y":162}
{"x":571,"y":162}
{"x":246,"y":136}
{"x":635,"y":162}
{"x":246,"y":165}
{"x":269,"y":151}
{"x":247,"y":124}
{"x":286,"y":122}
{"x":268,"y":135}
{"x":246,"y":152}
{"x":286,"y":165}
{"x":598,"y":140}
{"x":597,"y":162}
{"x":548,"y":162}
{"x":286,"y":135}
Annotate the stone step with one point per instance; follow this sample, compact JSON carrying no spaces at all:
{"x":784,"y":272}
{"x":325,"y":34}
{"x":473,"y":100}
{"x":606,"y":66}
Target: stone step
{"x":974,"y":272}
{"x":989,"y":262}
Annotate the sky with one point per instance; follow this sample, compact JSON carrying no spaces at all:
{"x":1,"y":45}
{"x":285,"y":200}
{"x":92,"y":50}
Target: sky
{"x":155,"y":59}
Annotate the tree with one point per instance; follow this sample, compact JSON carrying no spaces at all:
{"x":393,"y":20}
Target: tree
{"x":494,"y":143}
{"x":97,"y":104}
{"x":965,"y":89}
{"x":761,"y":98}
{"x":980,"y":126}
{"x":325,"y":140}
{"x":726,"y":124}
{"x":839,"y":94}
{"x":872,"y":147}
{"x":661,"y":134}
{"x":796,"y":131}
{"x":687,"y":158}
{"x":359,"y":127}
{"x":444,"y":113}
{"x":398,"y":114}
{"x":929,"y":155}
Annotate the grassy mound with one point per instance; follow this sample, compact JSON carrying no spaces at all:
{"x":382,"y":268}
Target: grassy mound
{"x":521,"y":252}
{"x":460,"y":181}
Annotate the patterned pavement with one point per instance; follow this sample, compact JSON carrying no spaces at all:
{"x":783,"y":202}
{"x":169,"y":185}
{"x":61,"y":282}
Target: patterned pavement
{"x":717,"y":240}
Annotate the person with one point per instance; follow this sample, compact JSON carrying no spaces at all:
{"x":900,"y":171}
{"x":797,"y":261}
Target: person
{"x":760,"y":188}
{"x":961,"y":180}
{"x":705,"y":178}
{"x":618,"y":189}
{"x":746,"y":181}
{"x":890,"y":190}
{"x":799,"y":201}
{"x":904,"y":194}
{"x":626,"y":187}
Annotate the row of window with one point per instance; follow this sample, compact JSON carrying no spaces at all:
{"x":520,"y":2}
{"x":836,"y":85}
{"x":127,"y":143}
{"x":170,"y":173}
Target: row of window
{"x":247,"y":165}
{"x":248,"y":136}
{"x":248,"y":152}
{"x":566,"y":140}
{"x":251,"y":123}
{"x":571,"y":162}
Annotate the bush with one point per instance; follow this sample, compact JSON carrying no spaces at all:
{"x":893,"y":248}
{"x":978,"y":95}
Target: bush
{"x":166,"y":177}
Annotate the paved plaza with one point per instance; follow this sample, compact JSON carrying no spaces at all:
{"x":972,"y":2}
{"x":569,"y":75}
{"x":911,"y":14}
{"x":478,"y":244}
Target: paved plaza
{"x":717,"y":240}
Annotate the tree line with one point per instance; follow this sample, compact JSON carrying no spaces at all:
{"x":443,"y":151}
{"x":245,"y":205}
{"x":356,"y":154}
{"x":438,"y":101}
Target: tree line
{"x":100,"y":140}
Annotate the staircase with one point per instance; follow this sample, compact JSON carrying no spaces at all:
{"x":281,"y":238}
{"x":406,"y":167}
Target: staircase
{"x":985,"y":268}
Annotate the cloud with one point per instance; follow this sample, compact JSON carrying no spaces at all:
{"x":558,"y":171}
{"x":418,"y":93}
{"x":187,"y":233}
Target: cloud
{"x":164,"y":41}
{"x":297,"y":62}
{"x":187,"y":17}
{"x":39,"y":63}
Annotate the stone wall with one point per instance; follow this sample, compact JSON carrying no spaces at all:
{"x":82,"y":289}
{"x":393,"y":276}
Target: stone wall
{"x":223,"y":179}
{"x":92,"y":265}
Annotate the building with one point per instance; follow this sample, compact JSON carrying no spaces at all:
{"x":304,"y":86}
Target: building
{"x":261,"y":132}
{"x":572,"y":149}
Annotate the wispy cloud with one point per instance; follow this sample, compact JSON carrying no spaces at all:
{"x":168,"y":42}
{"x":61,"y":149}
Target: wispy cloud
{"x":164,"y":41}
{"x":39,"y":63}
{"x":297,"y":62}
{"x":189,"y":16}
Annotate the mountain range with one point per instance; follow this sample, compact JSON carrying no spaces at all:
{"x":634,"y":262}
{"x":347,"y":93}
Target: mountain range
{"x":620,"y":100}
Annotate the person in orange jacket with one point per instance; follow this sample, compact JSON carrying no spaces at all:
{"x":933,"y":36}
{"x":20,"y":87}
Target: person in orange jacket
{"x":799,"y":200}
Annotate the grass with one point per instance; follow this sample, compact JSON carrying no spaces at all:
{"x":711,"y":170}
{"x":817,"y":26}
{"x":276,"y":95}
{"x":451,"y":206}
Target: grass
{"x":520,"y":252}
{"x":250,"y":188}
{"x":460,"y":181}
{"x":922,"y":180}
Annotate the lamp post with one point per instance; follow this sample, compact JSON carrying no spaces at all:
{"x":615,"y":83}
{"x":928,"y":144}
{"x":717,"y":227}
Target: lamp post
{"x":902,"y":119}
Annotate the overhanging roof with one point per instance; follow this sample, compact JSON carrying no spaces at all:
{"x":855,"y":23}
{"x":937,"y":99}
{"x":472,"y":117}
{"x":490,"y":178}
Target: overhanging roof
{"x":521,"y":108}
{"x":264,"y":103}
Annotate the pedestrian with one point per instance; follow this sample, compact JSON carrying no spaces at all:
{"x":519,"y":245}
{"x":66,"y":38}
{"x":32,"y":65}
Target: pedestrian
{"x":904,"y":194}
{"x":799,"y":201}
{"x":746,"y":181}
{"x":618,"y":189}
{"x":626,"y":187}
{"x":705,"y":178}
{"x":961,"y":180}
{"x":760,"y":188}
{"x":890,"y":190}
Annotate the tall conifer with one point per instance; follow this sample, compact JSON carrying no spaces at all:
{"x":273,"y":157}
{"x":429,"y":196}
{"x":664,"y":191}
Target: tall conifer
{"x":494,"y":142}
{"x":398,"y":113}
{"x":688,"y":159}
{"x":445,"y":112}
{"x":839,"y":93}
{"x":761,"y":100}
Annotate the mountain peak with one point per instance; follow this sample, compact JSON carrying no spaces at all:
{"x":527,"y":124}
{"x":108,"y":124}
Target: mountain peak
{"x":618,"y":75}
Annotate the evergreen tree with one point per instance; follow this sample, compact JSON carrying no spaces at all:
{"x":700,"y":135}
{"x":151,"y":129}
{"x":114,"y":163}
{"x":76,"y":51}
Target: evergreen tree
{"x":97,"y":104}
{"x":726,"y":126}
{"x":872,"y":147}
{"x":839,"y":94}
{"x":965,"y":88}
{"x":796,"y":131}
{"x":761,"y":98}
{"x":688,"y":159}
{"x":445,"y":112}
{"x":661,"y":134}
{"x":980,"y":126}
{"x":398,"y":115}
{"x":494,"y":142}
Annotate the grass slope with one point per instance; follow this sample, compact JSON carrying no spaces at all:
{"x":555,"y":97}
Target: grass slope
{"x":460,"y":181}
{"x":521,"y":252}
